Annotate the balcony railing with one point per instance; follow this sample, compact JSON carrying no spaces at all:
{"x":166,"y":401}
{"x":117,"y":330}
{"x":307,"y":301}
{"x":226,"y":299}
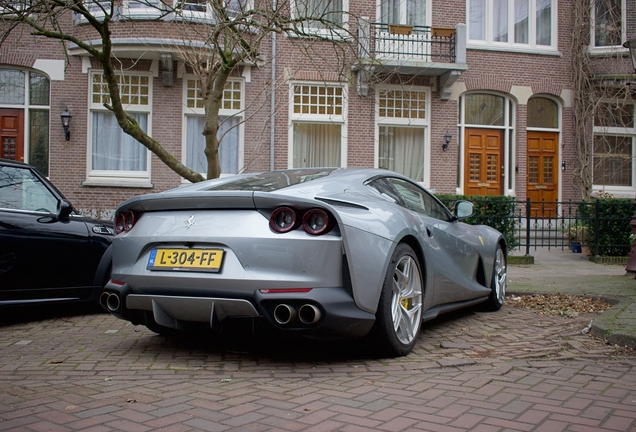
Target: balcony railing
{"x":419,"y":43}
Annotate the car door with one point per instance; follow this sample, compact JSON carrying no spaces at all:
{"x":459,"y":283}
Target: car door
{"x":41,"y":256}
{"x":452,"y":253}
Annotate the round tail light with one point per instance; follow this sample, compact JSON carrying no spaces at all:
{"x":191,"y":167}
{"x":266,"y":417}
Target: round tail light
{"x":119,"y":223}
{"x":125,"y":221}
{"x":316,"y":222}
{"x":283,"y":220}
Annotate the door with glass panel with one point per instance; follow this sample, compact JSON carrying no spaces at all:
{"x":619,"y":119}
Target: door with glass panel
{"x":483,"y":162}
{"x":12,"y":134}
{"x":543,"y":179}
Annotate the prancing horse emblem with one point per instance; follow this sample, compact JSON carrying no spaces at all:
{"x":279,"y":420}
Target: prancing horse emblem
{"x":189,"y":222}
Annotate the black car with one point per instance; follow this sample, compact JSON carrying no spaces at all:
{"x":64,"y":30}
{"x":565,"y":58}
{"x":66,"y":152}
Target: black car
{"x":48,"y":252}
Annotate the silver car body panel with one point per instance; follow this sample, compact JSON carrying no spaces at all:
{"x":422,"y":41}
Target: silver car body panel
{"x":369,"y":227}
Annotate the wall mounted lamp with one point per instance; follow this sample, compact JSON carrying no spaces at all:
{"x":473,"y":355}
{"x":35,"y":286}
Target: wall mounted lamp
{"x":66,"y":122}
{"x":447,"y":140}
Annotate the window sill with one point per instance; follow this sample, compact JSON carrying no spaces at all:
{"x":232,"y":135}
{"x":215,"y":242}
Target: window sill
{"x":117,"y":182}
{"x":514,"y":49}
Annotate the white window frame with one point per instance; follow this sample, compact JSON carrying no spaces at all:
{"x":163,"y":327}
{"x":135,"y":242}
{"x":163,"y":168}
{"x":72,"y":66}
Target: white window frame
{"x":194,"y":111}
{"x":510,"y":45}
{"x":318,"y":118}
{"x":593,"y":49}
{"x":117,"y":177}
{"x":333,"y":33}
{"x":619,"y":191}
{"x":388,"y":121}
{"x":142,"y":11}
{"x":403,"y":12}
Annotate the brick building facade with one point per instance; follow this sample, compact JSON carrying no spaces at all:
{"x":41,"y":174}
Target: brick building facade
{"x":451,"y":72}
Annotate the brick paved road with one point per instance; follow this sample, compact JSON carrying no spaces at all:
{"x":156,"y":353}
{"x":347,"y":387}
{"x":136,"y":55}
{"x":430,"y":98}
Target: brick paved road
{"x":514,"y":370}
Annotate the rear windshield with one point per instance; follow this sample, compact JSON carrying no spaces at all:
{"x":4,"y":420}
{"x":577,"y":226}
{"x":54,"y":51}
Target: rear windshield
{"x":274,"y":180}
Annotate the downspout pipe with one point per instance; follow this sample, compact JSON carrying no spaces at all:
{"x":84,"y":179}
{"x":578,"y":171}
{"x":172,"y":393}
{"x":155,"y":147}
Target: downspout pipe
{"x":272,"y":109}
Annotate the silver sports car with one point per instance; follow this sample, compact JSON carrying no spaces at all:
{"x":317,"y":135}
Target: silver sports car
{"x":321,"y":252}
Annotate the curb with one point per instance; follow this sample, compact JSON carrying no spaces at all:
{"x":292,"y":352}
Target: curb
{"x":603,"y":326}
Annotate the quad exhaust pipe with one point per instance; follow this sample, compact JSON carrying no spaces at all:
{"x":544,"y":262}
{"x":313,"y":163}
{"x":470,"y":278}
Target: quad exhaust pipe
{"x":110,"y":301}
{"x":307,"y":314}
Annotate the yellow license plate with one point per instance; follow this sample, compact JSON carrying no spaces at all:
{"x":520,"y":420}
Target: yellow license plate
{"x":186,"y":259}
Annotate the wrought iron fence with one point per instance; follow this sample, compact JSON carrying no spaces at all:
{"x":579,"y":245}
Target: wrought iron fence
{"x":600,"y":226}
{"x":422,"y":43}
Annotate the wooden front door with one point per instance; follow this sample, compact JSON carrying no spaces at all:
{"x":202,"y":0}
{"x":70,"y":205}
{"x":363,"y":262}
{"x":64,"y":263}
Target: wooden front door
{"x":483,"y":163}
{"x":12,"y":134}
{"x":543,"y":175}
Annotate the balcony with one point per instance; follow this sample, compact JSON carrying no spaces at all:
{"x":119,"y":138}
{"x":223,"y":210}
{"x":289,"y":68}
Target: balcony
{"x":411,"y":50}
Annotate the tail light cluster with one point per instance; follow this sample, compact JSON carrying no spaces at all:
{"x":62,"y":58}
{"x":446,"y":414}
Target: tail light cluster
{"x":125,"y":221}
{"x":314,"y":221}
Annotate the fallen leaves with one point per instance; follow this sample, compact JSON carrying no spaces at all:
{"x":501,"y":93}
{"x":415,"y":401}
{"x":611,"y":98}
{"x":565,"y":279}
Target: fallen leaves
{"x":559,"y":304}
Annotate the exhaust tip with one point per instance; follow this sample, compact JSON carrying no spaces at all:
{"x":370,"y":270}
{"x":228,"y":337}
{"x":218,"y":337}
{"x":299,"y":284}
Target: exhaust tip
{"x":309,"y":314}
{"x":113,"y":302}
{"x":284,"y":314}
{"x":103,"y":300}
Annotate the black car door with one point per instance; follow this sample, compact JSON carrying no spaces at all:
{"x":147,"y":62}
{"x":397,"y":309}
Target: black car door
{"x":41,"y":256}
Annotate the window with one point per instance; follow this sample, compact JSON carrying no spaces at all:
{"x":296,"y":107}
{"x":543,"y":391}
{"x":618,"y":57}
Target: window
{"x":20,"y":189}
{"x":402,"y":130}
{"x":543,"y":113}
{"x":230,"y":129}
{"x":513,"y":24}
{"x":614,"y":141}
{"x":116,"y":157}
{"x":321,"y":14}
{"x":317,"y":113}
{"x":142,"y":9}
{"x":25,"y":95}
{"x":607,"y":28}
{"x":409,"y":12}
{"x":410,"y":196}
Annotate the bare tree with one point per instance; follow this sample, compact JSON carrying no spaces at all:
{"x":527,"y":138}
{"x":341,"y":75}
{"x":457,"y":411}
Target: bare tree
{"x":211,"y":51}
{"x":601,"y":101}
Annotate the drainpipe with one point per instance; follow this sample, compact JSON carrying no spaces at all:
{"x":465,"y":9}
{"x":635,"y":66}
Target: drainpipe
{"x":272,"y":109}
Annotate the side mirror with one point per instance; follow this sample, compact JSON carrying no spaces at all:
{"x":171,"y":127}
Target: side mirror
{"x":463,"y":209}
{"x":65,"y":211}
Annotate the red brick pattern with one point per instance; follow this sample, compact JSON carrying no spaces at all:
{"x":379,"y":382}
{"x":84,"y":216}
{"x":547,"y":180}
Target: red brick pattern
{"x":514,"y":370}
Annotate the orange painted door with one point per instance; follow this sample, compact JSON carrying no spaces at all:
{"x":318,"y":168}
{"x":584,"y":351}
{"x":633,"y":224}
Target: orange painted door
{"x":12,"y":134}
{"x":483,"y":163}
{"x":543,"y":175}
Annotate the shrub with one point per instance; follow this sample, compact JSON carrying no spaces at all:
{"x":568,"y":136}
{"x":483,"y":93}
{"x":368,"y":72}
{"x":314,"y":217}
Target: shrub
{"x":614,"y":230}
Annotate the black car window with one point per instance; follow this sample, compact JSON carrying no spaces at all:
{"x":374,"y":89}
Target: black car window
{"x":271,"y":181}
{"x":386,"y":190}
{"x":20,"y":189}
{"x":418,"y":200}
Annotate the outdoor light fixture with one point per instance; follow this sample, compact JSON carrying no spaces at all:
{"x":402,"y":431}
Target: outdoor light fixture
{"x":66,"y":121}
{"x":447,"y":140}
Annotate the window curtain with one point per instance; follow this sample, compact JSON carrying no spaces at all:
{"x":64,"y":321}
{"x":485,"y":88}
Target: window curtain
{"x":402,"y":150}
{"x":477,"y":20}
{"x":544,"y":22}
{"x":112,"y":149}
{"x":521,"y":21}
{"x":228,"y":148}
{"x":327,"y":10}
{"x":316,"y":145}
{"x":416,"y":12}
{"x":500,"y":21}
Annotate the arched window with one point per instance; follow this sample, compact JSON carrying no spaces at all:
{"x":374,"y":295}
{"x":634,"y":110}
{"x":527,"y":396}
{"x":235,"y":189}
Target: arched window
{"x":543,"y":113}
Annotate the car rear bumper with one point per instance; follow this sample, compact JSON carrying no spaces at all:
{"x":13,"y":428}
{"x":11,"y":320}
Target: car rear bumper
{"x":326,"y":312}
